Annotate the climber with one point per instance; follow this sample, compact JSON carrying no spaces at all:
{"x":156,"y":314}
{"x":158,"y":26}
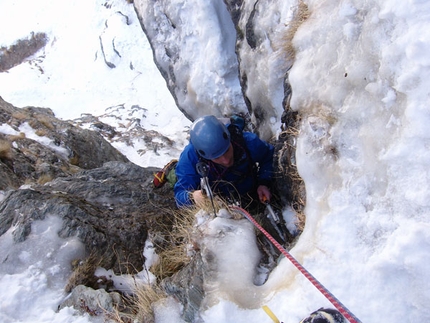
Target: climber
{"x":239,"y":164}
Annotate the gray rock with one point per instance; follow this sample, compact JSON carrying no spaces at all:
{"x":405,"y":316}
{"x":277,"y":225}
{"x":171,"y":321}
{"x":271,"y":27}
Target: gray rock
{"x":110,"y":209}
{"x":103,"y":199}
{"x":57,"y":148}
{"x":94,"y":302}
{"x":16,"y":53}
{"x":187,"y":286}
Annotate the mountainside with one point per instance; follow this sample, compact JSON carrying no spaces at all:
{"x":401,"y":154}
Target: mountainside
{"x":109,"y":206}
{"x":54,"y":170}
{"x":339,"y":87}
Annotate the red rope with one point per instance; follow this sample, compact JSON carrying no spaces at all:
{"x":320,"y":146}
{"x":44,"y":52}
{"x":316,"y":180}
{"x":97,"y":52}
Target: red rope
{"x":339,"y":306}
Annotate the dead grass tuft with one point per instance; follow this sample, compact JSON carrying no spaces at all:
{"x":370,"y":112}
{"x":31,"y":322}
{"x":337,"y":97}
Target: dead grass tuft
{"x":5,"y":149}
{"x":171,"y":260}
{"x":45,"y":178}
{"x":46,"y":122}
{"x":145,"y":296}
{"x":288,"y":169}
{"x":72,"y":169}
{"x":41,"y":132}
{"x":180,"y":243}
{"x":83,"y":272}
{"x":19,"y":115}
{"x":301,"y":16}
{"x":19,"y":136}
{"x":173,"y":254}
{"x":139,"y":305}
{"x":74,"y":160}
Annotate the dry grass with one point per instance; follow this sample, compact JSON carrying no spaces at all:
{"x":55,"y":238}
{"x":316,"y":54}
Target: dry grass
{"x":173,"y":255}
{"x":118,"y":316}
{"x":83,"y":272}
{"x":19,"y":136}
{"x":19,"y":115}
{"x":74,"y":160}
{"x":139,"y":306}
{"x":72,"y":169}
{"x":45,"y":178}
{"x":45,"y":121}
{"x":288,"y":168}
{"x":301,"y":217}
{"x":41,"y":132}
{"x":41,"y":124}
{"x":5,"y":149}
{"x":301,"y":16}
{"x":145,"y":297}
{"x":171,"y":260}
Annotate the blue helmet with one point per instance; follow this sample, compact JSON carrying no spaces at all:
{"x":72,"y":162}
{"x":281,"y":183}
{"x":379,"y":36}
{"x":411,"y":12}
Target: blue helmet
{"x":210,"y":137}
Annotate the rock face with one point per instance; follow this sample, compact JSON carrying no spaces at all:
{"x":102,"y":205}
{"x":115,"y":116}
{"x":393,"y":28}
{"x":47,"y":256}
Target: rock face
{"x":250,"y":53}
{"x":50,"y":147}
{"x":94,"y":302}
{"x":191,"y":69}
{"x":109,"y":209}
{"x":23,"y":48}
{"x":108,"y":202}
{"x":105,"y":200}
{"x":263,"y":52}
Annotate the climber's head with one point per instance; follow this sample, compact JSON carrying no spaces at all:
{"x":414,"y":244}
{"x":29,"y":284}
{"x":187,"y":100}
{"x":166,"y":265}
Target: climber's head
{"x":211,"y":139}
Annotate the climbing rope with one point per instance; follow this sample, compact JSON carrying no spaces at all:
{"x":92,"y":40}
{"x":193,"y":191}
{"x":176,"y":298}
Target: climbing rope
{"x":339,"y":306}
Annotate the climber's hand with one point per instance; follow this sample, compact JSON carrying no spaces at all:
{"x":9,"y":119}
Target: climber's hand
{"x":264,"y":194}
{"x":198,"y":197}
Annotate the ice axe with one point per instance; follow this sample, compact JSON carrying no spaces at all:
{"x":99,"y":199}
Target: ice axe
{"x":203,"y":171}
{"x":278,"y":224}
{"x":274,"y":216}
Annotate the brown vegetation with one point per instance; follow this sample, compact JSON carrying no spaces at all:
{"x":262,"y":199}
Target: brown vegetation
{"x":5,"y":149}
{"x":83,"y":272}
{"x":302,"y":14}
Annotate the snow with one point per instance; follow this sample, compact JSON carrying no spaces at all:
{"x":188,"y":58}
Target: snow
{"x":34,"y":275}
{"x":206,"y":77}
{"x":360,"y":80}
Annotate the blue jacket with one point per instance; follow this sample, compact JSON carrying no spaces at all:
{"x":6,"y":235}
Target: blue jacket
{"x":241,"y":178}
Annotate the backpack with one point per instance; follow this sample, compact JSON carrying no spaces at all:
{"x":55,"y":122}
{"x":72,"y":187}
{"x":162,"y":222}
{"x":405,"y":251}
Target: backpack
{"x":166,"y":175}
